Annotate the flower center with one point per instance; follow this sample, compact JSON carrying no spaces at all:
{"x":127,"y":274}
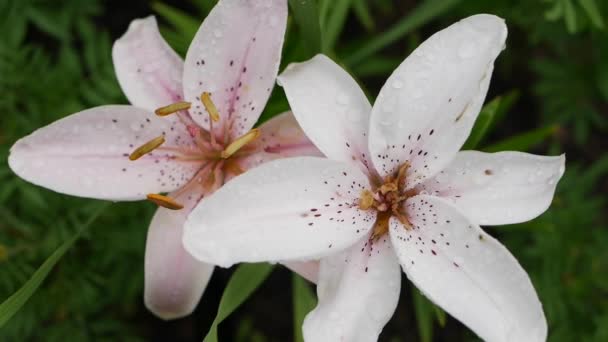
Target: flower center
{"x":388,"y":200}
{"x":216,"y":152}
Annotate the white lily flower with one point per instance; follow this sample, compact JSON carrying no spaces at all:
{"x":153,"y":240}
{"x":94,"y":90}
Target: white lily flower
{"x":393,"y":191}
{"x":187,"y":149}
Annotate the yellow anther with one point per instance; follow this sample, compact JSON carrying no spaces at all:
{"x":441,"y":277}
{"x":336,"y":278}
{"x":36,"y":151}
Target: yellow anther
{"x":164,"y":201}
{"x":147,"y":147}
{"x":172,"y":108}
{"x":240,"y":142}
{"x":210,"y":107}
{"x":366,"y":200}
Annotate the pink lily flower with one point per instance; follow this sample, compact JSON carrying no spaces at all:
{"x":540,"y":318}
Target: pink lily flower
{"x":394,"y":191}
{"x":200,"y":137}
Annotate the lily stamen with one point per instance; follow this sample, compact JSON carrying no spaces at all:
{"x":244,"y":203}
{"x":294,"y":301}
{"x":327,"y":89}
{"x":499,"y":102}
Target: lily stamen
{"x":172,"y":108}
{"x":240,"y":142}
{"x":147,"y":147}
{"x":164,"y":201}
{"x":214,"y":115}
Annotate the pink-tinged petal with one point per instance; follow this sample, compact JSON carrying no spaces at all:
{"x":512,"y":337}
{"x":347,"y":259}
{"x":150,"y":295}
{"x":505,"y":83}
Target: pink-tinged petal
{"x":358,"y":292}
{"x":148,"y":70}
{"x":87,"y":154}
{"x":309,"y":270}
{"x":235,"y":56}
{"x":467,"y":272}
{"x":300,"y":208}
{"x":280,"y":137}
{"x":427,"y":108}
{"x":330,"y":106}
{"x":174,"y":280}
{"x":498,"y":188}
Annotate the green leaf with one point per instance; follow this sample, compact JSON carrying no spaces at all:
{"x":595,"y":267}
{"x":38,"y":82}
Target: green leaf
{"x":14,"y":303}
{"x":424,"y":315}
{"x":570,"y":16}
{"x":593,"y":12}
{"x":524,"y":141}
{"x":306,"y":15}
{"x":362,"y":12}
{"x":304,"y":301}
{"x":245,"y":280}
{"x":491,"y":113}
{"x":335,"y":24}
{"x":422,"y":14}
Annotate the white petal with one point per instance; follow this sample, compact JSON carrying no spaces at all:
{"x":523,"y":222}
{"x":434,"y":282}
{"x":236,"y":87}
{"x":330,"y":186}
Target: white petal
{"x":426,"y":109}
{"x":289,"y":209}
{"x":498,"y":188}
{"x":148,"y":70}
{"x":330,"y":107}
{"x":235,"y":56}
{"x":86,"y":154}
{"x":467,"y":272}
{"x":174,"y":280}
{"x":358,"y":292}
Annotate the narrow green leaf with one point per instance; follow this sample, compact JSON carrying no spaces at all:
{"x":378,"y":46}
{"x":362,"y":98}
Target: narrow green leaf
{"x":244,"y":281}
{"x":424,"y":316}
{"x":304,"y":301}
{"x":593,"y":12}
{"x":491,"y":113}
{"x":569,"y":16}
{"x":362,"y":12}
{"x":335,"y":24}
{"x":524,"y":141}
{"x":422,"y":14}
{"x":16,"y":301}
{"x":306,"y":15}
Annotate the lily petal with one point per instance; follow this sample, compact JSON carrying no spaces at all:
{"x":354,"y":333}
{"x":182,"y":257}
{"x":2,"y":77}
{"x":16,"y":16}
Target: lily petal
{"x":235,"y":56}
{"x":174,"y":280}
{"x":358,"y":292}
{"x":299,"y":209}
{"x":498,"y":188}
{"x":87,"y":154}
{"x":467,"y":272}
{"x":280,"y":137}
{"x":427,"y":108}
{"x":330,"y":106}
{"x":148,"y":70}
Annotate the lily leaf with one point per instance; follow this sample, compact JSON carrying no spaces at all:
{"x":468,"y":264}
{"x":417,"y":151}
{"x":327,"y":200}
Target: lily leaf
{"x":335,"y":24}
{"x":303,"y":302}
{"x":245,"y":280}
{"x":524,"y":141}
{"x":306,"y":15}
{"x":16,"y":301}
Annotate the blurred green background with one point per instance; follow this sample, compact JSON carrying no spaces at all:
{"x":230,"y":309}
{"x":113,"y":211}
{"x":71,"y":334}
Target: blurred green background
{"x":549,"y":95}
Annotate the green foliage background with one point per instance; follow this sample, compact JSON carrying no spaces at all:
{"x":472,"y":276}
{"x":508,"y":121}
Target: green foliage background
{"x":550,"y":88}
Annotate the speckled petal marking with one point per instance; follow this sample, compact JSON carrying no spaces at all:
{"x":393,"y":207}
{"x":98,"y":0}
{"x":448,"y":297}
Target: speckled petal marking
{"x":358,"y":292}
{"x":498,"y":188}
{"x":289,"y":209}
{"x":87,"y":154}
{"x":427,"y":107}
{"x":235,"y":56}
{"x":467,"y":272}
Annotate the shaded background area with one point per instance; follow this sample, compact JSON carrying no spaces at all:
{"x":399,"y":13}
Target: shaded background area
{"x":55,"y":59}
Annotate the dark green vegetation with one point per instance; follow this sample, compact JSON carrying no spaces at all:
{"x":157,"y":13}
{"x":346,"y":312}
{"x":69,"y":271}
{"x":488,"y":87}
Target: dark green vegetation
{"x":551,"y":91}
